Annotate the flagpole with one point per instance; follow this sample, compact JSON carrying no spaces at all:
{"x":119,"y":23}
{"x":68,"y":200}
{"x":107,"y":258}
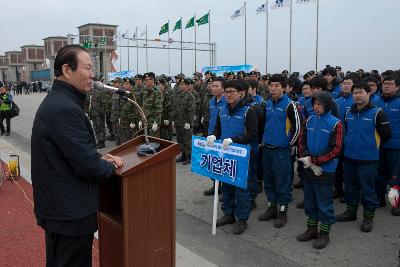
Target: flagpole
{"x":147,"y":58}
{"x":290,"y":38}
{"x":128,"y":49}
{"x":120,"y":58}
{"x":181,"y":46}
{"x":195,"y":44}
{"x":316,"y":41}
{"x":137,"y":52}
{"x":209,"y":35}
{"x":245,"y":34}
{"x":266,"y":38}
{"x":169,"y":54}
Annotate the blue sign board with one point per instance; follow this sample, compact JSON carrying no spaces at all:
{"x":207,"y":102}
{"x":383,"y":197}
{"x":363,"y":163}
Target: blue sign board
{"x":121,"y":74}
{"x":225,"y":165}
{"x":219,"y":70}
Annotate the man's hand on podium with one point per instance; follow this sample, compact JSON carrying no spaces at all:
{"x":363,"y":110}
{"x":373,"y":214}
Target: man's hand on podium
{"x":117,"y":161}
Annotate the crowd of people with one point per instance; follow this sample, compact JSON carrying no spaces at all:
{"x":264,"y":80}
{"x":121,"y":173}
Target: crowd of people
{"x":343,"y":130}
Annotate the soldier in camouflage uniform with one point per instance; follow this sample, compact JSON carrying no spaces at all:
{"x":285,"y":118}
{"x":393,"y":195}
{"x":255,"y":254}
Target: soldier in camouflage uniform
{"x":129,"y":122}
{"x":201,"y":90}
{"x":178,"y":79}
{"x":98,"y":107}
{"x":152,"y":104}
{"x":138,"y":88}
{"x":197,"y":104}
{"x":116,"y":112}
{"x":205,"y":102}
{"x":183,"y":114}
{"x":166,"y":119}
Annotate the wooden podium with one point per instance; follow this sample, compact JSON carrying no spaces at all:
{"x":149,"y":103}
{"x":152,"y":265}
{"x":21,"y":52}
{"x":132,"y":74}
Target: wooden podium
{"x":137,"y":208}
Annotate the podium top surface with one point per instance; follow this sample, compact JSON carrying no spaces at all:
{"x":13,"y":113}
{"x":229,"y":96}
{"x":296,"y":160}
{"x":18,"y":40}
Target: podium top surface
{"x":134,"y":162}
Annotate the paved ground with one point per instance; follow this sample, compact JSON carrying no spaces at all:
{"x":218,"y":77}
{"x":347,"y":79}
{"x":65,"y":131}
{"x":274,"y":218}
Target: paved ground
{"x":261,"y":244}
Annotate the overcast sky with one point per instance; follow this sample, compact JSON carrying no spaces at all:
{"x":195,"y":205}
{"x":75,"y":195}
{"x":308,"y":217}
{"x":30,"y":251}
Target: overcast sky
{"x":352,"y":33}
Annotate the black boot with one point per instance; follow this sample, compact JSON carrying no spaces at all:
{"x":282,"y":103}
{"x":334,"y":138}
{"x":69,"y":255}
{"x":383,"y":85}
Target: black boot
{"x":181,"y":158}
{"x":100,"y":145}
{"x":239,"y":227}
{"x":271,"y":213}
{"x":226,"y":219}
{"x":300,"y":205}
{"x":311,"y":233}
{"x":322,"y":240}
{"x":366,"y":225}
{"x":299,"y":184}
{"x":337,"y":194}
{"x":186,"y":160}
{"x":346,"y":216}
{"x":281,"y":219}
{"x":396,"y":211}
{"x":110,"y":138}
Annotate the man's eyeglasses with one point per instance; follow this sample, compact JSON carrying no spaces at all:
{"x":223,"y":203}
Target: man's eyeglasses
{"x":230,"y":92}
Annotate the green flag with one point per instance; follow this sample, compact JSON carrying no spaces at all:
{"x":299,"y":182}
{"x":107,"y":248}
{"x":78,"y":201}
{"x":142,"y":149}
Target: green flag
{"x":178,"y":25}
{"x":190,"y":23}
{"x":87,"y":44}
{"x":203,"y":20}
{"x":164,"y":28}
{"x":102,"y":40}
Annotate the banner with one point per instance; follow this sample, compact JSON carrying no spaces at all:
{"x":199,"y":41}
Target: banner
{"x":219,"y":70}
{"x":228,"y":166}
{"x":121,"y":74}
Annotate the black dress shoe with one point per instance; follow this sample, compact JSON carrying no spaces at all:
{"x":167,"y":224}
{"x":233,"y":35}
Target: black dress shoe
{"x":239,"y":227}
{"x":299,"y":184}
{"x":253,"y":204}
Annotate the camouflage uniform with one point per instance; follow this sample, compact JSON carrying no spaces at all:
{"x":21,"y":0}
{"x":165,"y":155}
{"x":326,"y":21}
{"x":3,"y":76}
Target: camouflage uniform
{"x":138,"y":92}
{"x":98,"y":106}
{"x":205,"y":111}
{"x":116,"y":117}
{"x":183,"y":112}
{"x":152,"y":108}
{"x":166,"y":130}
{"x":129,"y":115}
{"x":108,"y":107}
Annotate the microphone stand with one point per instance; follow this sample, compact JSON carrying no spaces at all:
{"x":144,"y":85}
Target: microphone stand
{"x":148,"y":148}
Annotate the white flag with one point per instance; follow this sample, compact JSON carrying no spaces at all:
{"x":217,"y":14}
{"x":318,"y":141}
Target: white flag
{"x":280,"y":3}
{"x":305,"y":1}
{"x":238,"y":13}
{"x":261,"y":9}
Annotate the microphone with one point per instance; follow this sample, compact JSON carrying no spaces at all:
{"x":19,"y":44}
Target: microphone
{"x":148,"y":148}
{"x":97,"y":85}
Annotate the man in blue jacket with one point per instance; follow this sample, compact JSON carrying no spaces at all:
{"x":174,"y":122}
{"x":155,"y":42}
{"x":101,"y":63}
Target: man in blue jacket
{"x":66,"y":167}
{"x":389,"y":158}
{"x":281,"y":129}
{"x":236,"y":123}
{"x":366,"y":129}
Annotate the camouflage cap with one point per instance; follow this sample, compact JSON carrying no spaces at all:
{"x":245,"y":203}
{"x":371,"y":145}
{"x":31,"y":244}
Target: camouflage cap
{"x":180,"y":76}
{"x":198,"y":74}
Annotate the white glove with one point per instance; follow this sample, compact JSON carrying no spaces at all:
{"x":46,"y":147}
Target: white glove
{"x":211,"y":139}
{"x":393,"y":197}
{"x":202,"y":119}
{"x":316,"y":169}
{"x":226,"y":142}
{"x":306,"y":161}
{"x":132,"y":125}
{"x":154,"y":127}
{"x":140,"y":125}
{"x":166,"y":122}
{"x":194,"y":117}
{"x":187,"y":126}
{"x":173,"y":124}
{"x":293,"y":150}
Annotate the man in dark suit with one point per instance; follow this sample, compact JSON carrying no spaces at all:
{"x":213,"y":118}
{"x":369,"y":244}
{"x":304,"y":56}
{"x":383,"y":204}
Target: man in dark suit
{"x":66,"y":167}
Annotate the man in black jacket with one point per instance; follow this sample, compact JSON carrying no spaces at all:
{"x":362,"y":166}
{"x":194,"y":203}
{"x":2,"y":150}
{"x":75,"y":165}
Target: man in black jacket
{"x":66,"y":167}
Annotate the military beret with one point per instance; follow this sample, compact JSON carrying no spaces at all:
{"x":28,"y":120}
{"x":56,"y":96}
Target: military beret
{"x":180,"y":76}
{"x":208,"y":72}
{"x":149,"y":75}
{"x":210,"y":80}
{"x":138,"y":76}
{"x":230,"y":73}
{"x":265,"y":77}
{"x":241,"y":72}
{"x":253,"y":72}
{"x":338,"y":68}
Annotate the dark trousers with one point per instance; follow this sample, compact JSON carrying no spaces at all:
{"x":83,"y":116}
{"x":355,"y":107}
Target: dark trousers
{"x":235,"y":200}
{"x":359,"y":183}
{"x":339,"y":174}
{"x":388,"y":161}
{"x":318,"y":202}
{"x":5,"y":115}
{"x":252,"y":180}
{"x":62,"y":250}
{"x":277,"y":181}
